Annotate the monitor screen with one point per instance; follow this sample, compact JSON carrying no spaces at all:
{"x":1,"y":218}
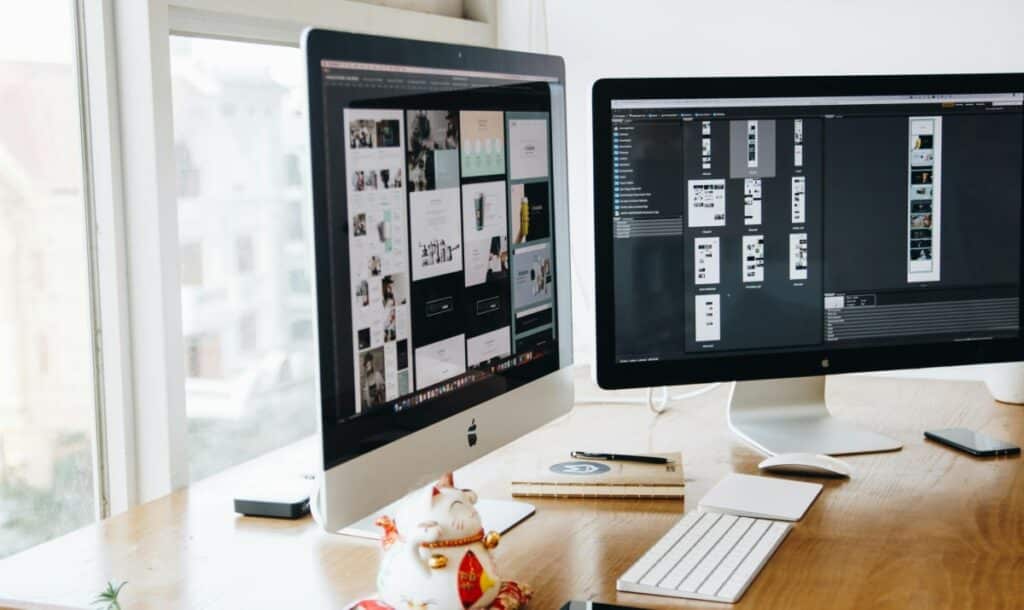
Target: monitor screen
{"x":777,"y":225}
{"x":436,"y":263}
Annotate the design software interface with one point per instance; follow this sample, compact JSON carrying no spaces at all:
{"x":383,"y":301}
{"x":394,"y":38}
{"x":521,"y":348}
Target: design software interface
{"x":803,"y":223}
{"x":439,"y":183}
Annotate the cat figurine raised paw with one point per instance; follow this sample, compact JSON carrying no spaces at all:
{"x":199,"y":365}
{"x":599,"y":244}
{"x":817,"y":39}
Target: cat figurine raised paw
{"x":436,"y":553}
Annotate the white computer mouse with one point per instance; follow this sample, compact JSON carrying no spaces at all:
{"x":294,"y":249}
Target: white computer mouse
{"x":806,"y":463}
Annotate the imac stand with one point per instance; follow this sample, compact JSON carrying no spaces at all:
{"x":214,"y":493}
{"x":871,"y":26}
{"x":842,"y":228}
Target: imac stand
{"x":790,"y":416}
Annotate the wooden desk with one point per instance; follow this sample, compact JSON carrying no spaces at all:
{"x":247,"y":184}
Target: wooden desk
{"x":925,"y":527}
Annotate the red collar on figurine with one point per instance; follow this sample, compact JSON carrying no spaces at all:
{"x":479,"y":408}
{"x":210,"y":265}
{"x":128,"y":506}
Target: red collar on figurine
{"x":440,"y":544}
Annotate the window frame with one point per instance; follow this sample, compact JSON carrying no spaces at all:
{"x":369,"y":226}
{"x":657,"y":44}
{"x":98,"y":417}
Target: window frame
{"x":113,"y":477}
{"x":129,"y":158}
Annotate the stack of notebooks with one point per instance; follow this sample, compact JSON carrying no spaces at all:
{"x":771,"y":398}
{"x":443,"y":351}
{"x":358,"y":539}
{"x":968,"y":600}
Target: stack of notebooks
{"x":556,"y":475}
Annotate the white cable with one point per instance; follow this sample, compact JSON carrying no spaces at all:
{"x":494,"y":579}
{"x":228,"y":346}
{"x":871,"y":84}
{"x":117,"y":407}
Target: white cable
{"x":658,"y":406}
{"x":625,"y":400}
{"x":315,"y":508}
{"x":695,"y":393}
{"x":684,"y":396}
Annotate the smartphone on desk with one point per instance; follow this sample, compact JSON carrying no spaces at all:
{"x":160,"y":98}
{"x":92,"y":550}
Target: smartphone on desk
{"x":972,"y":442}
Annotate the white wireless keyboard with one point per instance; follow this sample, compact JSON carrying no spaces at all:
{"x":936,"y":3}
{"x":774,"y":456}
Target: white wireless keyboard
{"x":707,"y":556}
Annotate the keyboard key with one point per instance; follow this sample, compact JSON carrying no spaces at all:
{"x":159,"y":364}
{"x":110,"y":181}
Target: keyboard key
{"x":672,"y":557}
{"x":666,"y":563}
{"x":647,"y":561}
{"x":752,"y":564}
{"x":704,"y":547}
{"x":729,"y":562}
{"x":732,"y":589}
{"x":690,"y":558}
{"x":754,"y":533}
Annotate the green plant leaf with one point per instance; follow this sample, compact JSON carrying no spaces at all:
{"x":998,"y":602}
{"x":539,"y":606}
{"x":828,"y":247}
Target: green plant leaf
{"x":109,"y":596}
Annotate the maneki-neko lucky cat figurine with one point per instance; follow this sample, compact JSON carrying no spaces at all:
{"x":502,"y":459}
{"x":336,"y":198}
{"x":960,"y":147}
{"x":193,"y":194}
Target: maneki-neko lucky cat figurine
{"x":436,"y":553}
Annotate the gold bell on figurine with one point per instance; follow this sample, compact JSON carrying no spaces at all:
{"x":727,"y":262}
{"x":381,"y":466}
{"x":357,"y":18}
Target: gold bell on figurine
{"x":438,"y":561}
{"x":491,"y":540}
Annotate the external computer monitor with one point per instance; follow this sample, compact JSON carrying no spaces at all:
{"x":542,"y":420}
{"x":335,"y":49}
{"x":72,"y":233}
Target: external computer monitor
{"x":758,"y":228}
{"x":441,"y":247}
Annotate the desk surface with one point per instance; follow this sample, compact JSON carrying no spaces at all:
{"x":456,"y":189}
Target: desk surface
{"x":926,"y":527}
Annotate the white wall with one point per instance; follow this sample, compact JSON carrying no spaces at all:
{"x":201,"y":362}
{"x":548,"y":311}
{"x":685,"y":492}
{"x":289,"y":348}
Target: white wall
{"x":618,"y":38}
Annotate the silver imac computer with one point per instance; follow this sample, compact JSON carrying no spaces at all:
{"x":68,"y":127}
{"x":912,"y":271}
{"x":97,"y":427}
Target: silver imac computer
{"x":442,"y":260}
{"x":770,"y":231}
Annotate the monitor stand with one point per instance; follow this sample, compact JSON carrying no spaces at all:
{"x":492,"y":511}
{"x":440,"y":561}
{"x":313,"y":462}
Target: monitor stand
{"x":790,"y":416}
{"x":497,"y":516}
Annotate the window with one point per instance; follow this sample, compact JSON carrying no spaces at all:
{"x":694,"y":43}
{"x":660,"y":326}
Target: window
{"x":245,"y":254}
{"x":47,"y":410}
{"x":188,"y":174}
{"x":249,"y":332}
{"x":296,"y":222}
{"x":239,"y":108}
{"x":192,"y":264}
{"x":203,"y":357}
{"x":292,"y":172}
{"x":302,"y":330}
{"x":298,"y":281}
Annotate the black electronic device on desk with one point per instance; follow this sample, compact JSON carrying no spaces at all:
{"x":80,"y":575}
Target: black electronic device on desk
{"x":975,"y":443}
{"x":440,"y":231}
{"x":280,"y":499}
{"x":774,"y":230}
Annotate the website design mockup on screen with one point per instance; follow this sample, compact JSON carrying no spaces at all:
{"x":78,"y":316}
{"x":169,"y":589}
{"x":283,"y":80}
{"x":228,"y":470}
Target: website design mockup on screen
{"x":447,"y":206}
{"x":781,"y":224}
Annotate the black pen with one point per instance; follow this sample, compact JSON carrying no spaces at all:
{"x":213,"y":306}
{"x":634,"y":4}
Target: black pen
{"x":618,"y":457}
